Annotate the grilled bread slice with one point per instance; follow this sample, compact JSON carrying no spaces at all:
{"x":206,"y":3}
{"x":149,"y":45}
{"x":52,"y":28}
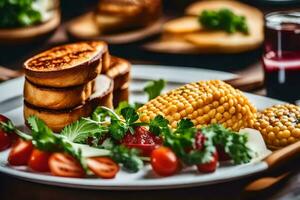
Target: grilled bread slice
{"x":119,"y":15}
{"x":57,"y":98}
{"x":119,"y":71}
{"x":67,"y":65}
{"x":58,"y":119}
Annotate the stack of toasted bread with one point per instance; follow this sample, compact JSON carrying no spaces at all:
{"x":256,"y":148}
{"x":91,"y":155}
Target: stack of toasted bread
{"x":119,"y":71}
{"x":65,"y":83}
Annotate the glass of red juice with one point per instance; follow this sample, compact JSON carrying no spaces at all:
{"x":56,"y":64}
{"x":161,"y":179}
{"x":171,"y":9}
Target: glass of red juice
{"x":281,"y":58}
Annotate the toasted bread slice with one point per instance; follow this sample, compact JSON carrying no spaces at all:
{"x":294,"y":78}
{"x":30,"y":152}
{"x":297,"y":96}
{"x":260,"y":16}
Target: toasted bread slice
{"x":186,"y":24}
{"x":57,"y":98}
{"x":67,"y":65}
{"x":174,"y":46}
{"x":119,"y":71}
{"x":120,"y":15}
{"x":58,"y":119}
{"x":121,"y":94}
{"x":120,"y":7}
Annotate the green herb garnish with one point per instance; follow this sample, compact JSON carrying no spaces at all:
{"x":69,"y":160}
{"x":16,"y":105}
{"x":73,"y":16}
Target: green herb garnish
{"x":154,"y":88}
{"x":44,"y":139}
{"x":127,"y":157}
{"x":224,"y":19}
{"x":18,"y":13}
{"x":233,"y":143}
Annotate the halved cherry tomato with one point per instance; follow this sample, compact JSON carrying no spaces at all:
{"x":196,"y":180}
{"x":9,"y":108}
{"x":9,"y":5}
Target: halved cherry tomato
{"x":62,"y":164}
{"x":5,"y":140}
{"x":20,"y":153}
{"x":39,"y":160}
{"x":164,"y":161}
{"x":103,"y":167}
{"x":209,"y":166}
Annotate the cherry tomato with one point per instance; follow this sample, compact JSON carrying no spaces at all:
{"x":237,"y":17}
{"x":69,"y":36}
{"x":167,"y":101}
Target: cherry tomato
{"x":20,"y":153}
{"x":39,"y":160}
{"x":143,"y":140}
{"x":164,"y":161}
{"x":5,"y":140}
{"x":209,"y":166}
{"x":103,"y":167}
{"x":62,"y":164}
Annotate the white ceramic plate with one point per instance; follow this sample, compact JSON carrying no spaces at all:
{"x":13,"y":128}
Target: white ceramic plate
{"x":144,"y":179}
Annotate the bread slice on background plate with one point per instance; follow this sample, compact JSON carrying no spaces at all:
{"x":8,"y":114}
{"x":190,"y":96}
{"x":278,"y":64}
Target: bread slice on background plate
{"x":67,"y":65}
{"x":58,"y":119}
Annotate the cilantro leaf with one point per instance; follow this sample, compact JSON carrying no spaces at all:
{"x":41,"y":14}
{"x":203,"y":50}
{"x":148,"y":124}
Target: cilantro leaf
{"x":157,"y":124}
{"x":233,"y":143}
{"x":154,"y":88}
{"x":82,"y":129}
{"x":125,"y":104}
{"x":127,"y":157}
{"x":129,"y":114}
{"x":184,"y":125}
{"x":118,"y":129}
{"x":43,"y":137}
{"x":223,"y":19}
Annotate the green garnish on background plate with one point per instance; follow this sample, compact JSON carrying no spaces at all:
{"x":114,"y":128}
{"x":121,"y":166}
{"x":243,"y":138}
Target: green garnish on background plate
{"x":18,"y":13}
{"x":223,"y":19}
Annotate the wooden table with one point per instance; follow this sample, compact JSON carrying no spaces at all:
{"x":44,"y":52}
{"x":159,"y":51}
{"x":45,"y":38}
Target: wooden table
{"x":13,"y":188}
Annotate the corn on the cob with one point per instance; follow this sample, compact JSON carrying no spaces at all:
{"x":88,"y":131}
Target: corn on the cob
{"x":279,"y":125}
{"x":204,"y":102}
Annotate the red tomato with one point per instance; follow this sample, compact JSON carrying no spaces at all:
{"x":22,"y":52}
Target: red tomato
{"x":62,"y":164}
{"x":13,"y":137}
{"x":209,"y":166}
{"x":143,"y":140}
{"x":20,"y":153}
{"x":5,"y":140}
{"x":164,"y":161}
{"x":3,"y":118}
{"x":39,"y":160}
{"x":103,"y":167}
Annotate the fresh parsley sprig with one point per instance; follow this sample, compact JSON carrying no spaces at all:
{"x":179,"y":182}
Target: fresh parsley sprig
{"x":233,"y":143}
{"x":223,"y":19}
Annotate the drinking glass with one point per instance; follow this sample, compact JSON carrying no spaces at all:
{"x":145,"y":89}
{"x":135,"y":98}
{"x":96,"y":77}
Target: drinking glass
{"x":281,"y":57}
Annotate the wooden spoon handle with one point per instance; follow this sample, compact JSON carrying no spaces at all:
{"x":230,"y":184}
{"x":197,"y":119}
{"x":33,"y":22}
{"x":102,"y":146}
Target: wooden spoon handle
{"x":280,"y":156}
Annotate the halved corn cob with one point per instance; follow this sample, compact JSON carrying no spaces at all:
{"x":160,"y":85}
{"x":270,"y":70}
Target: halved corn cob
{"x":279,"y":125}
{"x":204,"y":102}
